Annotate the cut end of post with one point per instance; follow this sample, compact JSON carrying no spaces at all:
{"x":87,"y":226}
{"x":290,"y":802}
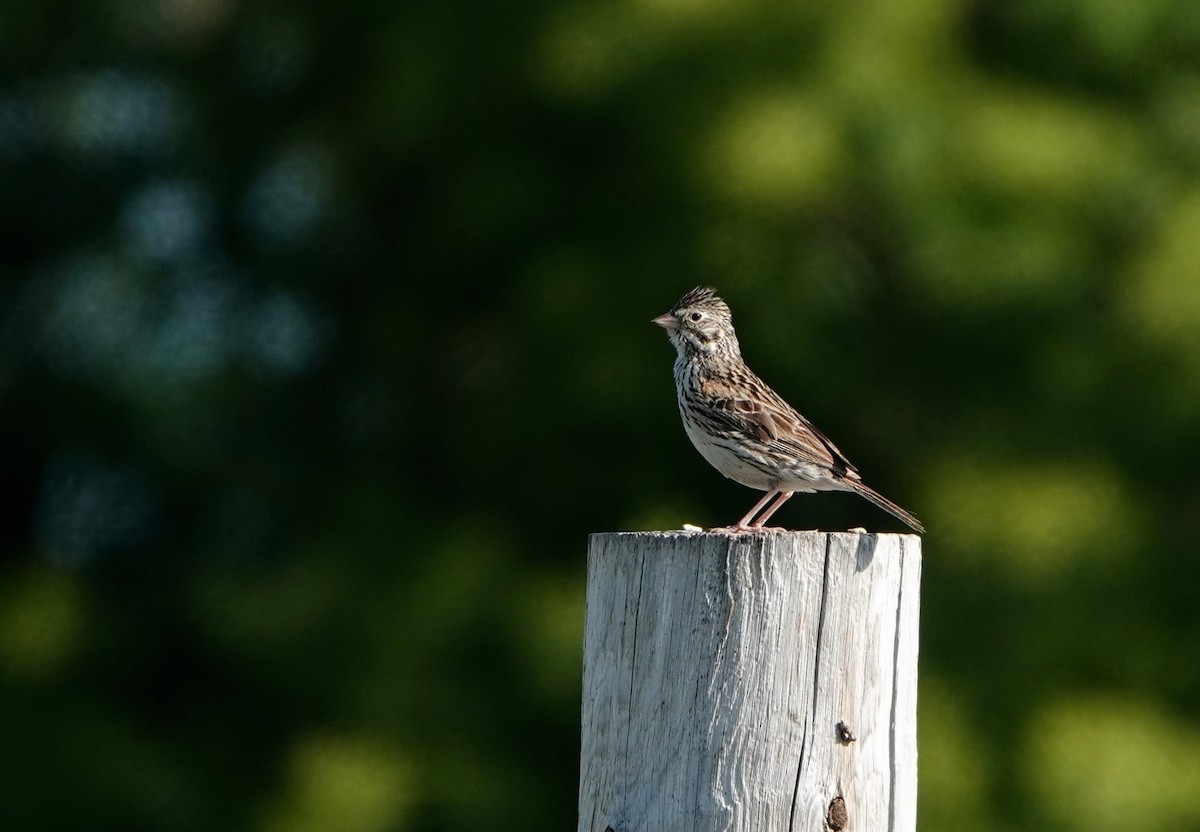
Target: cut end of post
{"x":689,"y":531}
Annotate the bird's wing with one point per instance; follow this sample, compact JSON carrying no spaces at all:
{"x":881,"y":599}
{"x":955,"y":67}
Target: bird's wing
{"x":803,"y":436}
{"x":775,"y":423}
{"x":749,"y":417}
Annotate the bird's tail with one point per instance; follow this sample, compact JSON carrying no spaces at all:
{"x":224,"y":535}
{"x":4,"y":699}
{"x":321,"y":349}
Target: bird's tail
{"x":888,"y":506}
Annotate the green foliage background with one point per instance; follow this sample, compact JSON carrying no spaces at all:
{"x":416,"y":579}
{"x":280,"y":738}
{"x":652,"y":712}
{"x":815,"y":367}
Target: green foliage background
{"x":324,"y":342}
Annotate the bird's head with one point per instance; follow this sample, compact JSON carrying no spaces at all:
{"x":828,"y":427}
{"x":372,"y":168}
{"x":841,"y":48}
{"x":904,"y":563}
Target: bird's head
{"x":700,"y":324}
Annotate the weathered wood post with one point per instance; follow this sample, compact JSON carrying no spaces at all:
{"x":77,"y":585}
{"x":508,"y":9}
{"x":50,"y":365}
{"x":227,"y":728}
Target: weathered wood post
{"x":761,"y":682}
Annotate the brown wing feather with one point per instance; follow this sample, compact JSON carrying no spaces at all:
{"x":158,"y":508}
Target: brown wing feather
{"x":805,"y":430}
{"x":775,"y":423}
{"x":802,"y":436}
{"x":746,"y":416}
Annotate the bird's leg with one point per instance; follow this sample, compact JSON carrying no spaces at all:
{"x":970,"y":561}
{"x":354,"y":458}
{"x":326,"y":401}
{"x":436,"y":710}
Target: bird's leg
{"x":774,"y":507}
{"x":744,"y":523}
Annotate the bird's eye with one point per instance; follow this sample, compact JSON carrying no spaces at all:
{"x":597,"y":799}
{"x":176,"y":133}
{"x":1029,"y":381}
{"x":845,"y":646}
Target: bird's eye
{"x":695,"y":316}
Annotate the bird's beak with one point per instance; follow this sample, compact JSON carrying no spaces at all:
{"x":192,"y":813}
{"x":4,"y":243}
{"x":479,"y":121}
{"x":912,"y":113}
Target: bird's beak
{"x":667,"y":321}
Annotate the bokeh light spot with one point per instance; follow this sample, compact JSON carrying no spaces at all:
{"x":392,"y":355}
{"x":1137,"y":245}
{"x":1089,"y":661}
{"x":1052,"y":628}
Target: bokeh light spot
{"x":775,"y":149}
{"x":587,"y":50}
{"x":284,"y":338}
{"x":114,"y":113}
{"x":1103,"y":764}
{"x":95,"y":311}
{"x":40,"y":619}
{"x":191,"y":337}
{"x":285,"y":202}
{"x":1026,"y":142}
{"x":166,"y":220}
{"x":1035,"y":521}
{"x":345,"y":784}
{"x":87,"y":509}
{"x":1000,"y":260}
{"x":1164,"y":293}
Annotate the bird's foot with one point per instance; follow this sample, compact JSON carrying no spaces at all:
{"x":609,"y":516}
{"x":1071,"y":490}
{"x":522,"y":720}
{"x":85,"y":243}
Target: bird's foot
{"x":751,"y":527}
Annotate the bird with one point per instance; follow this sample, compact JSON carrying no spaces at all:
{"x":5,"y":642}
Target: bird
{"x":745,"y":429}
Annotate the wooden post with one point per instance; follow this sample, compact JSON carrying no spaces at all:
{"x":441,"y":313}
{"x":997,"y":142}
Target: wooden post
{"x":761,"y":682}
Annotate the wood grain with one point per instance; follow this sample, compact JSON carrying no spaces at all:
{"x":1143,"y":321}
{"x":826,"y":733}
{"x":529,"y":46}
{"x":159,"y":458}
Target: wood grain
{"x":718,"y":666}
